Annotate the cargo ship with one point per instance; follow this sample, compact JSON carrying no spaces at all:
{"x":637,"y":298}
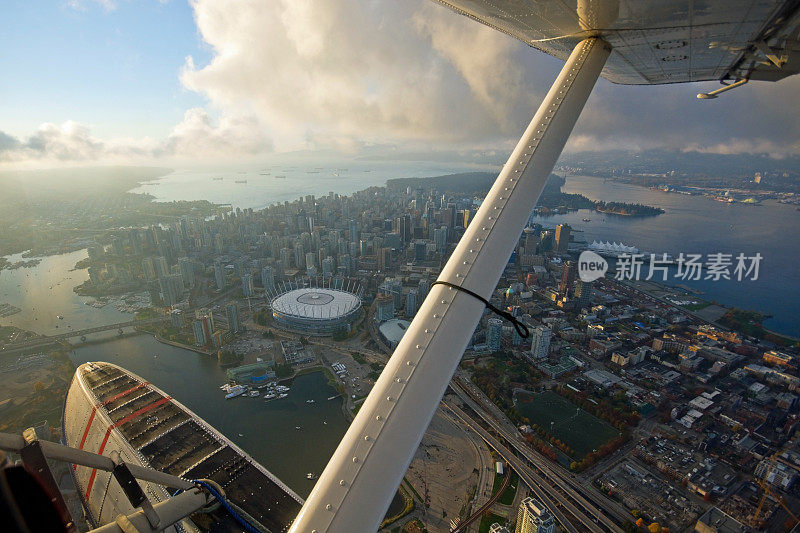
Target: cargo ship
{"x":109,"y":410}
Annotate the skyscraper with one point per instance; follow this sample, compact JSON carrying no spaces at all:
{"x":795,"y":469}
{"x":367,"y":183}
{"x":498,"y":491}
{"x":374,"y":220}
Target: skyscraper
{"x":534,"y":517}
{"x":199,"y":333}
{"x":494,"y":334}
{"x":440,"y":239}
{"x":268,"y":279}
{"x":219,"y":274}
{"x":232,"y":314}
{"x":247,"y":285}
{"x":187,"y":271}
{"x":583,"y":293}
{"x":540,"y":342}
{"x":171,"y":287}
{"x":160,"y":265}
{"x":411,"y":303}
{"x":562,"y":238}
{"x":567,"y":277}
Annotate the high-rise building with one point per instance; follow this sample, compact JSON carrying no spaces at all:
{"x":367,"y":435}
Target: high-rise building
{"x":411,"y":303}
{"x":311,"y":260}
{"x":219,"y":274}
{"x":327,"y":266}
{"x":385,"y":259}
{"x":148,"y":269}
{"x":562,"y":238}
{"x":384,"y":304}
{"x":232,"y":314}
{"x":199,"y":333}
{"x":171,"y":287}
{"x":531,"y":240}
{"x":440,"y":239}
{"x":187,"y":271}
{"x":353,"y":231}
{"x":247,"y":285}
{"x":160,"y":265}
{"x":494,"y":334}
{"x":268,"y":279}
{"x":583,"y":293}
{"x":568,"y":275}
{"x":534,"y":517}
{"x":540,"y":342}
{"x":420,"y":250}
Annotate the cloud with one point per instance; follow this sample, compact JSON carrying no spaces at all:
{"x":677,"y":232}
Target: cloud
{"x":196,"y":137}
{"x":354,"y":74}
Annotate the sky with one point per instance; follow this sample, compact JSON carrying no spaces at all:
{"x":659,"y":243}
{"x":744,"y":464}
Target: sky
{"x":146,"y":81}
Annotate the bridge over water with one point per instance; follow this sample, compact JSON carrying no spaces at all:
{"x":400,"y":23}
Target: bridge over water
{"x":44,"y":340}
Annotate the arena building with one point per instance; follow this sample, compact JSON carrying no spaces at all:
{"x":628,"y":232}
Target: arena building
{"x":315,"y":311}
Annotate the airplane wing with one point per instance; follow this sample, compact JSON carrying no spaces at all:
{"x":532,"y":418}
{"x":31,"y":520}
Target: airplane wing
{"x":658,"y":41}
{"x":626,"y":41}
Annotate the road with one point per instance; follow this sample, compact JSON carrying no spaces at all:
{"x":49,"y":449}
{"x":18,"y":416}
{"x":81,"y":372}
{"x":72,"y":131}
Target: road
{"x":477,"y":514}
{"x":598,"y":507}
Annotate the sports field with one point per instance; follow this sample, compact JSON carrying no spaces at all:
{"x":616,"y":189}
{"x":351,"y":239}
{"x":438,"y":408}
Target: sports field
{"x":581,"y":431}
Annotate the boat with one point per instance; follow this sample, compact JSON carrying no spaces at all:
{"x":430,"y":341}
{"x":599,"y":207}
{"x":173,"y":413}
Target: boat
{"x":269,"y":396}
{"x":217,"y":179}
{"x":587,"y":219}
{"x":234,"y":391}
{"x":60,"y":317}
{"x":282,"y":395}
{"x":108,"y":408}
{"x":310,"y":401}
{"x":298,"y":428}
{"x":280,"y":177}
{"x":310,"y":476}
{"x":333,"y":397}
{"x":253,"y":393}
{"x":240,"y":181}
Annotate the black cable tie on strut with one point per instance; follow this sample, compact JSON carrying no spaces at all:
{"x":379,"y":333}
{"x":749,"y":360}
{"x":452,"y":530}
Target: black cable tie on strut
{"x":521,"y":328}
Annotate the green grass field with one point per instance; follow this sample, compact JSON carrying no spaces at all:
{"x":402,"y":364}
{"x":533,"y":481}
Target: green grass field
{"x":581,"y":431}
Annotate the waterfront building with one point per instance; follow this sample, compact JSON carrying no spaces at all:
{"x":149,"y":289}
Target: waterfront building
{"x":562,"y":238}
{"x":199,"y":333}
{"x":176,"y":317}
{"x":534,"y":517}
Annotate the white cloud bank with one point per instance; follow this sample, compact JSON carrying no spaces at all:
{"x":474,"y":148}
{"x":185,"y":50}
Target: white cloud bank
{"x":344,"y":74}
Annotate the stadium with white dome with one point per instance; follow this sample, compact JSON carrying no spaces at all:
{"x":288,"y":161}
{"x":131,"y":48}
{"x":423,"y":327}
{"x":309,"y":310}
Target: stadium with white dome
{"x":316,"y":311}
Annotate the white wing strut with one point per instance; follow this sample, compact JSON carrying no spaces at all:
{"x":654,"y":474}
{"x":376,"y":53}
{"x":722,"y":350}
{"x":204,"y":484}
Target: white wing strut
{"x":358,"y":484}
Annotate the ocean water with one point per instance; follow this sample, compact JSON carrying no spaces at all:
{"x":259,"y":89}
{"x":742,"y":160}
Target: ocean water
{"x":695,"y":224}
{"x":45,"y":291}
{"x":224,"y":185}
{"x":265,"y":430}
